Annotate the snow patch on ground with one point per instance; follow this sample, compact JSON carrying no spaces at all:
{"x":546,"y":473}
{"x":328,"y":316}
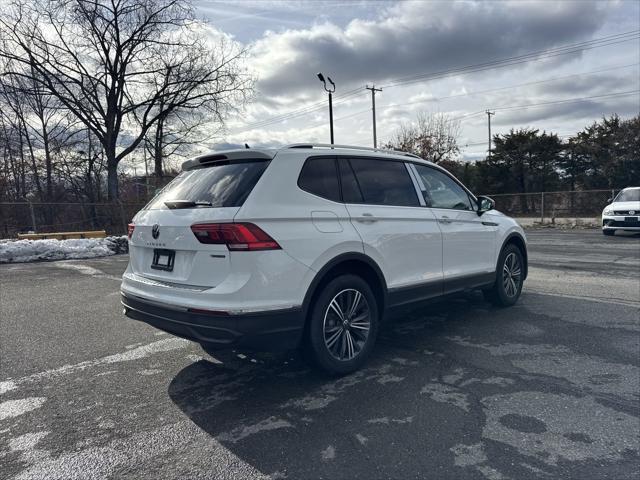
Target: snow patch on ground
{"x":244,"y":431}
{"x":7,"y":386}
{"x":137,"y":353}
{"x":25,"y":442}
{"x":15,"y":408}
{"x":50,"y":249}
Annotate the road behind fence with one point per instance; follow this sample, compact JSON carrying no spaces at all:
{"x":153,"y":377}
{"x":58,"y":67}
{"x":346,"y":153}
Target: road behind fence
{"x":23,"y":217}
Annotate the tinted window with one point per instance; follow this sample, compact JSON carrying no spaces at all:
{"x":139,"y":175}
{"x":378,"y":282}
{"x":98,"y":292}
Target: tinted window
{"x":384,"y":182}
{"x":222,"y":185}
{"x":318,"y":176}
{"x":350,"y":189}
{"x":442,"y":190}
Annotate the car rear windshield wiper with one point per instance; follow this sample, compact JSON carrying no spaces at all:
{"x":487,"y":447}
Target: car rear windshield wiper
{"x":175,"y":204}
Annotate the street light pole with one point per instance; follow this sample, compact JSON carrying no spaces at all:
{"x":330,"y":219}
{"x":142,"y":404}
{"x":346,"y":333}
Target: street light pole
{"x":331,"y":115}
{"x":330,"y":91}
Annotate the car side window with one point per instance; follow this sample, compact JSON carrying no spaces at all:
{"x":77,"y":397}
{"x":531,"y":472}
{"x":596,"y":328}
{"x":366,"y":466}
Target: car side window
{"x":350,"y":189}
{"x":442,"y":190}
{"x":380,"y":182}
{"x":319,"y":176}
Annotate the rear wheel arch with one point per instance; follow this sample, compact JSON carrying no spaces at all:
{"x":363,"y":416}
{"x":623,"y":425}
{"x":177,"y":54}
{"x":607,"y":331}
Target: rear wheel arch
{"x":354,"y":264}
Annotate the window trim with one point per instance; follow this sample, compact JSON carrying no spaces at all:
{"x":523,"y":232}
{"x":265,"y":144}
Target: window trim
{"x":368,"y":157}
{"x":471,"y":196}
{"x":417,"y":183}
{"x":337,"y":172}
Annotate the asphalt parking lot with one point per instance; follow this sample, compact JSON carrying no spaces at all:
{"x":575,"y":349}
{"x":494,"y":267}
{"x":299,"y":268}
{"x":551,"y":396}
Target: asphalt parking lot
{"x":546,"y":389}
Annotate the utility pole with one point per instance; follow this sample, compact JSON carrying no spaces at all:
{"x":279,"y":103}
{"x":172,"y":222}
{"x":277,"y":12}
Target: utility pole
{"x":373,"y":109}
{"x":489,"y":123}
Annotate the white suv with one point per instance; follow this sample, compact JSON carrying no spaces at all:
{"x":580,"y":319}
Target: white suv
{"x":310,"y":245}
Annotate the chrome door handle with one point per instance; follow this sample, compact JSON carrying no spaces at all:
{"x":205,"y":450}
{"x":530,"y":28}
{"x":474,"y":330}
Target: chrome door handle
{"x":445,"y":219}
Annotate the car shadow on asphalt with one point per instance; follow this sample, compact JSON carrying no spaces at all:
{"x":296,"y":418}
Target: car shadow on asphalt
{"x":404,"y":414}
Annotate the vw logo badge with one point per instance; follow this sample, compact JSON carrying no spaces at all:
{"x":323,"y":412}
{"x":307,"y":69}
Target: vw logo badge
{"x":155,"y":231}
{"x":632,"y":212}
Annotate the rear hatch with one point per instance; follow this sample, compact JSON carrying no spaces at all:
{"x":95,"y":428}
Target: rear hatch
{"x":163,"y":246}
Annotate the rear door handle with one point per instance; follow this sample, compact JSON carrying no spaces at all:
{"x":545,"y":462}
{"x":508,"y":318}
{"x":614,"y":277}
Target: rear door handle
{"x":445,"y":219}
{"x":366,"y":218}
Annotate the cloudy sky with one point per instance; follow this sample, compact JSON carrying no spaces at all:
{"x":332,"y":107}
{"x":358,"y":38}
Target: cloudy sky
{"x":552,"y":65}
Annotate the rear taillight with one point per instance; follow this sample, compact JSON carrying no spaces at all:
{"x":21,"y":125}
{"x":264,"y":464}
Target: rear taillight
{"x":130,"y":228}
{"x":236,"y":236}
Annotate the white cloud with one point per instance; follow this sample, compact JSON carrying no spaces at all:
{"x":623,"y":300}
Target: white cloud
{"x":409,"y":38}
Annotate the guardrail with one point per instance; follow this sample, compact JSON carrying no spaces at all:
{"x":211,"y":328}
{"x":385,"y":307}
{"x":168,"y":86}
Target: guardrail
{"x":62,"y":235}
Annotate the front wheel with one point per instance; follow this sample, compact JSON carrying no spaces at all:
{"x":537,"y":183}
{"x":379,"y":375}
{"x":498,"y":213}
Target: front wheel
{"x":509,"y":278}
{"x":343,"y":324}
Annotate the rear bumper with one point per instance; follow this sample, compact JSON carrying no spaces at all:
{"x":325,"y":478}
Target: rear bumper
{"x":269,"y":330}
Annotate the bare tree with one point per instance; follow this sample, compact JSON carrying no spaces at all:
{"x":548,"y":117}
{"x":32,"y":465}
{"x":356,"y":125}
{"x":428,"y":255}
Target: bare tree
{"x":182,"y":125}
{"x":100,"y":59}
{"x":20,"y":143}
{"x":175,"y":136}
{"x":433,"y":137}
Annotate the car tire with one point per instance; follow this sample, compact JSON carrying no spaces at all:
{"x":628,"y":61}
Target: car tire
{"x":608,"y":233}
{"x":342,"y":325}
{"x":509,"y":278}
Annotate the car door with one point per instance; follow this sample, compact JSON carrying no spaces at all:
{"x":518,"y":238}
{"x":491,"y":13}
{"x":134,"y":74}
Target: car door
{"x":397,"y":231}
{"x":468,"y":242}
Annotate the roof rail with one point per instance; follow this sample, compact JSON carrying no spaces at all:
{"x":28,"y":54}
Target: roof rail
{"x":352,"y":147}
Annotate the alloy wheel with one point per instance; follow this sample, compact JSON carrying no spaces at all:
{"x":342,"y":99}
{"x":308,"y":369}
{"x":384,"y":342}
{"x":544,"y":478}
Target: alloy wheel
{"x":511,"y":275}
{"x":347,"y":323}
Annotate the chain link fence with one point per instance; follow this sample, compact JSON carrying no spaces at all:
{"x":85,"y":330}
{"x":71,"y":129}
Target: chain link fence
{"x":24,"y":217}
{"x":548,"y":206}
{"x":27,"y":217}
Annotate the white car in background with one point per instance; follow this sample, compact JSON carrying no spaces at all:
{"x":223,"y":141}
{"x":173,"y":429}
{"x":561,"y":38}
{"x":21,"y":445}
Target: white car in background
{"x":623,"y":213}
{"x":310,"y":246}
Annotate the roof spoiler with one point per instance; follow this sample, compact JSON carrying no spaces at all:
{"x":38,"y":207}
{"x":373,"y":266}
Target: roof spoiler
{"x":213,"y":157}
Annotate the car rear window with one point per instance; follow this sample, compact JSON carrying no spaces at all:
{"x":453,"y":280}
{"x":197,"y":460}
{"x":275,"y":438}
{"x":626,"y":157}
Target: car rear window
{"x":225,"y":184}
{"x":319,"y":176}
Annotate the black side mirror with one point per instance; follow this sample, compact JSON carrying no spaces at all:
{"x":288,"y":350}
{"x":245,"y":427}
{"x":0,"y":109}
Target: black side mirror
{"x":609,"y":200}
{"x":485,"y":204}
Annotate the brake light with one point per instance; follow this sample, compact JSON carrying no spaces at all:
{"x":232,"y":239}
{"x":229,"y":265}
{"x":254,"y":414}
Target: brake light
{"x":130,"y":228}
{"x":236,"y":236}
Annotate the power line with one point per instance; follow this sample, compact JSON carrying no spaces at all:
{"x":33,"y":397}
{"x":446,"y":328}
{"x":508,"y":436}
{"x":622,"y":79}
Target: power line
{"x":570,"y":100}
{"x":504,"y":62}
{"x":533,"y":56}
{"x":539,"y":104}
{"x":472,"y":114}
{"x":491,"y":90}
{"x":300,"y":112}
